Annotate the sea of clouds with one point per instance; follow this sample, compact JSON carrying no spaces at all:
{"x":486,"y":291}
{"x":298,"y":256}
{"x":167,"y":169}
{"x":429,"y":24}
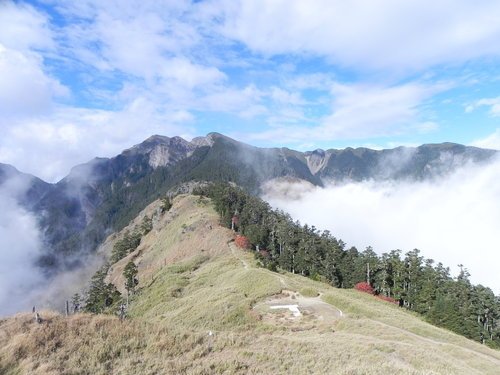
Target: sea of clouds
{"x":453,"y":219}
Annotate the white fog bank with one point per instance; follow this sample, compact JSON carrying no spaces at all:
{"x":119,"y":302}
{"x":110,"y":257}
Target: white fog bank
{"x":455,"y":220}
{"x":19,"y":249}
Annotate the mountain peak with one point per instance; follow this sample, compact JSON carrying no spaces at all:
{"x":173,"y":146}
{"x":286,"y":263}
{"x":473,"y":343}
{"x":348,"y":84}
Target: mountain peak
{"x":151,"y":142}
{"x":157,"y":138}
{"x":202,"y":141}
{"x":162,"y":150}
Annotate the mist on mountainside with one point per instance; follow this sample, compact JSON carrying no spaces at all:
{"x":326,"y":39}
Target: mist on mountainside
{"x":23,"y":282}
{"x":452,"y":219}
{"x":20,"y":244}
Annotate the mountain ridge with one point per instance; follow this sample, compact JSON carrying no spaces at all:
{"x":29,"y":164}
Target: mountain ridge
{"x":76,"y":213}
{"x":149,"y":145}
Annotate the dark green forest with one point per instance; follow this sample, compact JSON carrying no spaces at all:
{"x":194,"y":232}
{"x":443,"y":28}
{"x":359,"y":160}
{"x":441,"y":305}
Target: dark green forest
{"x":419,"y":284}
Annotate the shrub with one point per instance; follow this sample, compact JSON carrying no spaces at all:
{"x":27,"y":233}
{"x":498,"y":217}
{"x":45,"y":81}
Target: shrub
{"x":364,"y":287}
{"x":242,"y":241}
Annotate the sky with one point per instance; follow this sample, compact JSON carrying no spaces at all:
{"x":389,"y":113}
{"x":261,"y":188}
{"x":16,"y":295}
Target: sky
{"x":87,"y":78}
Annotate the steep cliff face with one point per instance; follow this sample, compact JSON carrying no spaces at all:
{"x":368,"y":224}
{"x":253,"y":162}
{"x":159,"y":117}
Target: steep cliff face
{"x":162,"y":151}
{"x":316,"y":160}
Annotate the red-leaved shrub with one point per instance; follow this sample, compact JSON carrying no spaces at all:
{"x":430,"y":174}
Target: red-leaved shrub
{"x":242,"y":241}
{"x":364,"y":287}
{"x":367,"y":288}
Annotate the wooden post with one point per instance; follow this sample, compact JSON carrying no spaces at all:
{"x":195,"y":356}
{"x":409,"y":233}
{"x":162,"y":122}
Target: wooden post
{"x":122,"y":312}
{"x":210,"y":340}
{"x":67,"y":308}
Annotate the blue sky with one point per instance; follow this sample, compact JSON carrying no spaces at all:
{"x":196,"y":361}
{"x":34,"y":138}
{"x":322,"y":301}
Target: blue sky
{"x":89,"y":78}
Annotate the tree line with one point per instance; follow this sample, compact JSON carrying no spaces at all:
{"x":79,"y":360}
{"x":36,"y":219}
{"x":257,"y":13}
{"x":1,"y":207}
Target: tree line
{"x":419,"y":284}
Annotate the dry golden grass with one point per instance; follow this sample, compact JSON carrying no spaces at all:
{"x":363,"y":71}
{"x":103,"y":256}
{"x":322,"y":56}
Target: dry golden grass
{"x":186,"y":292}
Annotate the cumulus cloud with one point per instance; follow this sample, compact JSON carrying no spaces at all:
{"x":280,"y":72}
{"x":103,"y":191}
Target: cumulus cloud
{"x":25,"y":89}
{"x":368,"y":34}
{"x":24,"y":28}
{"x":19,"y":249}
{"x":25,"y":86}
{"x":453,"y":220}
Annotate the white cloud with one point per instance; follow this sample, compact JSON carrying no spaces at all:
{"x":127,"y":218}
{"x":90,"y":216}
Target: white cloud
{"x":150,"y":40}
{"x":453,"y":220}
{"x":25,"y":89}
{"x":363,"y":111}
{"x":368,"y":34}
{"x":360,"y":111}
{"x":283,"y":96}
{"x":23,"y":28}
{"x":244,"y":102}
{"x":492,"y":141}
{"x":190,"y":75}
{"x":492,"y":103}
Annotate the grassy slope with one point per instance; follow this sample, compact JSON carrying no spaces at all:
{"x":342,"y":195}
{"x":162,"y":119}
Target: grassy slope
{"x":191,"y":282}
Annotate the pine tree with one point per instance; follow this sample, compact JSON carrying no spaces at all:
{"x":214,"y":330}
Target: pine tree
{"x":100,"y":295}
{"x":166,"y":204}
{"x":146,"y":225}
{"x":130,"y":272}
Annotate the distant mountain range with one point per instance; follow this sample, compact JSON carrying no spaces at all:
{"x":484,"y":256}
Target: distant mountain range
{"x":103,"y":195}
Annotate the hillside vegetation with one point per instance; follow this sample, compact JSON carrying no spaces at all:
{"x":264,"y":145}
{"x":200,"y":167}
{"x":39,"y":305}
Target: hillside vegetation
{"x":205,"y":306}
{"x":409,"y":279}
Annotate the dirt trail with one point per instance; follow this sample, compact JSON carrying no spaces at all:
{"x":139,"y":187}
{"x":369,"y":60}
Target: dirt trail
{"x":235,"y":253}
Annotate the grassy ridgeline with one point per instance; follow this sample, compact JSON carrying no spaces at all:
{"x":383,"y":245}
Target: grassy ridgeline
{"x":192,"y":282}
